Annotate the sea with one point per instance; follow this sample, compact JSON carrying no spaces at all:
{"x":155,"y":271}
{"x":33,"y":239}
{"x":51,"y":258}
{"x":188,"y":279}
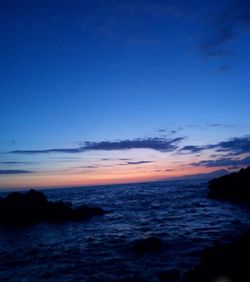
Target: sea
{"x":101,"y":249}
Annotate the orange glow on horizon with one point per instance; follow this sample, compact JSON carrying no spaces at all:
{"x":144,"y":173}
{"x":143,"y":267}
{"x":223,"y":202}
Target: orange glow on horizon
{"x":57,"y":179}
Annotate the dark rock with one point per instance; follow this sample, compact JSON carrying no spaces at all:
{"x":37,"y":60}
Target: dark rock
{"x":32,"y":207}
{"x":235,"y":186}
{"x":236,"y":222}
{"x":47,"y":275}
{"x":228,"y":261}
{"x":150,"y":244}
{"x":133,"y":279}
{"x":170,"y":275}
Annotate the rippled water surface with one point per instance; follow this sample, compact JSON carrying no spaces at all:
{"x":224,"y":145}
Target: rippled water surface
{"x":100,"y":249}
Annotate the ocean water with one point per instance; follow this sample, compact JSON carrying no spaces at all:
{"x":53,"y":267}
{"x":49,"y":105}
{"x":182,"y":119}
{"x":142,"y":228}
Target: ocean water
{"x":100,"y":249}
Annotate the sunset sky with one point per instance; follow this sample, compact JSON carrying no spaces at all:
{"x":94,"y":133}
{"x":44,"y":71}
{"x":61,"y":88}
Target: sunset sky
{"x":115,"y":91}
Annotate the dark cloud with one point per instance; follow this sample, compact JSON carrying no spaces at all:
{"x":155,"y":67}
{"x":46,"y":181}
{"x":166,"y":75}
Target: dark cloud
{"x":47,"y":151}
{"x":237,"y":145}
{"x":170,"y":131}
{"x":139,"y":162}
{"x":220,"y":125}
{"x":192,"y":149}
{"x":112,"y":159}
{"x":14,"y":171}
{"x":89,"y":166}
{"x":224,"y":162}
{"x":156,"y":143}
{"x":136,"y":163}
{"x":162,"y":130}
{"x":214,"y":124}
{"x":16,"y":163}
{"x":234,"y":146}
{"x":226,"y":26}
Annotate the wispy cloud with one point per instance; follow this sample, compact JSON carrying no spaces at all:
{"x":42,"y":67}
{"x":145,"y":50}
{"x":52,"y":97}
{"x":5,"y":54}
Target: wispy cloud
{"x":223,"y":162}
{"x":226,"y":27}
{"x":14,"y":171}
{"x":192,"y":149}
{"x":155,"y":143}
{"x":114,"y":159}
{"x":88,"y":166}
{"x":46,"y":151}
{"x":225,"y":125}
{"x":139,"y":162}
{"x":235,"y":146}
{"x":10,"y":163}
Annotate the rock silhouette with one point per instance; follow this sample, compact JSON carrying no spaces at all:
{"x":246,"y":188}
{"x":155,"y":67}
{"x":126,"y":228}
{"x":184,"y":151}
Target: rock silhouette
{"x":235,"y":186}
{"x":170,"y":275}
{"x":33,"y":206}
{"x":224,"y":262}
{"x":149,"y":245}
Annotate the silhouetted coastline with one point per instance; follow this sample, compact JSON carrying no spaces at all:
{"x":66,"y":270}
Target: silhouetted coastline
{"x":32,"y":207}
{"x":235,"y":186}
{"x":226,"y":262}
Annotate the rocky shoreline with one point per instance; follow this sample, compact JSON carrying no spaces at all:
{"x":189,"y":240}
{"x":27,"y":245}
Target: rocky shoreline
{"x":21,"y":209}
{"x":226,"y":262}
{"x":233,"y":187}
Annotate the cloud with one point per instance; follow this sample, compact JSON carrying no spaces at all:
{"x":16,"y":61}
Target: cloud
{"x":139,"y":162}
{"x":155,"y":143}
{"x":112,"y":159}
{"x":162,"y":130}
{"x":192,"y":149}
{"x":234,"y":146}
{"x":74,"y":150}
{"x":224,"y":162}
{"x":88,"y":166}
{"x":225,"y":125}
{"x":16,"y":162}
{"x":14,"y":171}
{"x":226,"y":26}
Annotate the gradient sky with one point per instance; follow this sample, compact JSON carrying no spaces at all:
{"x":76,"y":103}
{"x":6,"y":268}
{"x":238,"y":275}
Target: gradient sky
{"x":111,"y":91}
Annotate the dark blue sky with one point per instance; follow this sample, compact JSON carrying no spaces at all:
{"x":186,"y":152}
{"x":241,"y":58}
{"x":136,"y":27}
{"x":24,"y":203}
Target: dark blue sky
{"x":115,"y":71}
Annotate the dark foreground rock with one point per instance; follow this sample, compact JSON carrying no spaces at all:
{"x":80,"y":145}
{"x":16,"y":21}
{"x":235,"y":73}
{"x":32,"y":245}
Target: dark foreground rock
{"x":235,"y":186}
{"x":32,"y":207}
{"x":149,"y":245}
{"x":133,"y":279}
{"x":170,"y":275}
{"x":224,"y":263}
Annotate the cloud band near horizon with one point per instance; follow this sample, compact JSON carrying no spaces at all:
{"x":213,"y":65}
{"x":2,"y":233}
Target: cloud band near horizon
{"x":154,"y":143}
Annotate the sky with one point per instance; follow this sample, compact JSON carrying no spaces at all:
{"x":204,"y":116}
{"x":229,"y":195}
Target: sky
{"x":116,"y":91}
